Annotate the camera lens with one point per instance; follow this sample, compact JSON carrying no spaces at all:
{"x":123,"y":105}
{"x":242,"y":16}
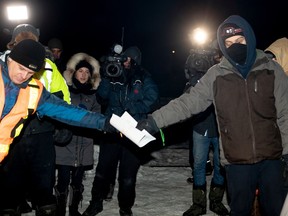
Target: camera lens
{"x":113,"y":70}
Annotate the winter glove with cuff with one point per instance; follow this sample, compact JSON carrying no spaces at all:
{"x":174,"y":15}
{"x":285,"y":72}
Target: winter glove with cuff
{"x":108,"y":128}
{"x":148,"y":124}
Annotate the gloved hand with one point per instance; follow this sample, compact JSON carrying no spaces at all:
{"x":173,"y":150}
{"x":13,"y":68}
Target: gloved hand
{"x":108,"y":128}
{"x":4,"y":149}
{"x":148,"y":124}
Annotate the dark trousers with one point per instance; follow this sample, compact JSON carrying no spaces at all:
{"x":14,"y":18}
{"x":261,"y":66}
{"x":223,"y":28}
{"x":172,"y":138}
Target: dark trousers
{"x":110,"y":155}
{"x":67,"y":174}
{"x":243,"y":180}
{"x":29,"y":167}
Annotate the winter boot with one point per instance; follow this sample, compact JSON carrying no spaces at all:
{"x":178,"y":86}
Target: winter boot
{"x":47,"y":210}
{"x":199,"y":202}
{"x":125,"y":212}
{"x":95,"y":207}
{"x":10,"y":212}
{"x":215,"y":197}
{"x":61,"y":202}
{"x":75,"y":198}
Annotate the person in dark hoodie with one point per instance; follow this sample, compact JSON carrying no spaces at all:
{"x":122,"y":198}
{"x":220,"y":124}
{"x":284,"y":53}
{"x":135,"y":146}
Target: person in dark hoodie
{"x":250,"y":95}
{"x":133,"y":91}
{"x":82,"y":75}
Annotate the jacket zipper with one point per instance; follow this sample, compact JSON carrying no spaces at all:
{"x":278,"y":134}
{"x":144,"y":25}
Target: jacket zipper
{"x":250,"y":118}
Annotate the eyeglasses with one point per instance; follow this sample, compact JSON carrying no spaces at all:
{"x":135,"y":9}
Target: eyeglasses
{"x":231,"y":31}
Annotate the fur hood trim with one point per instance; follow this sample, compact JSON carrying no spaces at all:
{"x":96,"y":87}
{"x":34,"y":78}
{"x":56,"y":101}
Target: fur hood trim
{"x":72,"y":63}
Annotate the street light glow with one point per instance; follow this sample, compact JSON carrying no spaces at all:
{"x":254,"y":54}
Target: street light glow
{"x":17,"y":12}
{"x":200,"y":36}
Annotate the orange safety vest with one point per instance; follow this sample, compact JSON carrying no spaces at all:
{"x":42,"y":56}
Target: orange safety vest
{"x":26,"y":104}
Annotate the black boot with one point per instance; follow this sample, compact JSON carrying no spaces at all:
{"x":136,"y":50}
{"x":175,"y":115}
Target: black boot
{"x":75,"y":198}
{"x":47,"y":210}
{"x":10,"y":212}
{"x":215,"y":197}
{"x":61,"y":202}
{"x":95,"y":207}
{"x":199,"y":202}
{"x":125,"y":212}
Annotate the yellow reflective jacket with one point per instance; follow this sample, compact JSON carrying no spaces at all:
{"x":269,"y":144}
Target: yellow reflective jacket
{"x":53,"y":80}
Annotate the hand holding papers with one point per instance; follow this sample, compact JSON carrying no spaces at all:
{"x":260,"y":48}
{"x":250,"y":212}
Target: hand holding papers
{"x":126,"y":124}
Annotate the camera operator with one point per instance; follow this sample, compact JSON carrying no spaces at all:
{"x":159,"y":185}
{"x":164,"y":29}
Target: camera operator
{"x":204,"y":136}
{"x":132,"y":90}
{"x":112,"y":65}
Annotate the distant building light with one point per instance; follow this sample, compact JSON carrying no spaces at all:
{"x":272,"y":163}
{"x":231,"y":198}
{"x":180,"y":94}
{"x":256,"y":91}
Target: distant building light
{"x":17,"y":12}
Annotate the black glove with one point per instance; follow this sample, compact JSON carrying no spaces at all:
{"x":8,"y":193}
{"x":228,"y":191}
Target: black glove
{"x":108,"y":128}
{"x":148,"y":124}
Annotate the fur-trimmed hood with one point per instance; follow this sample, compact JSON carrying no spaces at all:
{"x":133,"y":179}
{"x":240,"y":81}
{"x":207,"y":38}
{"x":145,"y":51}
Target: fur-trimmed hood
{"x":71,"y":69}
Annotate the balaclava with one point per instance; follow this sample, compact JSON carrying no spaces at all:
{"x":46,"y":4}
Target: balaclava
{"x":241,"y":56}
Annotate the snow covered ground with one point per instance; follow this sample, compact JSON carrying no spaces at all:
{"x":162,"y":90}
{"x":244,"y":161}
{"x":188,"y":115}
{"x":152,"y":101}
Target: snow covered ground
{"x":161,"y":188}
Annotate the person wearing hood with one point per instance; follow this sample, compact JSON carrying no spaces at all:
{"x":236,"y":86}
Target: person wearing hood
{"x":133,"y":91}
{"x":279,"y":51}
{"x":250,"y":96}
{"x":72,"y":160}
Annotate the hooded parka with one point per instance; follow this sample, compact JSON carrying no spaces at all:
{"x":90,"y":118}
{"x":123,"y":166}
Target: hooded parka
{"x":79,"y":151}
{"x":252,"y":112}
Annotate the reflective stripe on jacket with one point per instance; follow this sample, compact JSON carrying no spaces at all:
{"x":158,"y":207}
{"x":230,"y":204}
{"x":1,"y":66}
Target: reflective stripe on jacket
{"x":26,"y":104}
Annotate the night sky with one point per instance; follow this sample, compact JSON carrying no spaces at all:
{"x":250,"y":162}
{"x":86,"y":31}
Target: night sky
{"x":157,"y":27}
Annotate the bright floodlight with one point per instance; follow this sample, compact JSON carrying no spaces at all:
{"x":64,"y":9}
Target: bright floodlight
{"x":199,"y":36}
{"x":17,"y":12}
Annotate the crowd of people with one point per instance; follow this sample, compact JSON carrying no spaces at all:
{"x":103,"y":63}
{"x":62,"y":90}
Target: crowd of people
{"x":54,"y":112}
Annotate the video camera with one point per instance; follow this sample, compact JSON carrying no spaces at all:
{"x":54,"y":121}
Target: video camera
{"x":113,"y":63}
{"x":200,"y":59}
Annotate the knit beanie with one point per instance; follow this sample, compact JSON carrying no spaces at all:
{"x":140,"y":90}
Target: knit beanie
{"x":29,"y":53}
{"x":134,"y":53}
{"x":85,"y":64}
{"x":55,"y":43}
{"x":231,"y":29}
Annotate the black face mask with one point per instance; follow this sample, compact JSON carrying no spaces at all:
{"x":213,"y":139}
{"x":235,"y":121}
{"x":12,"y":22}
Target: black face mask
{"x":238,"y":53}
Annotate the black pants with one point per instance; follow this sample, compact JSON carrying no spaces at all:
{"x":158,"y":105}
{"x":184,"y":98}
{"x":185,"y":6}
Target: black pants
{"x":111,"y":156}
{"x":29,"y":167}
{"x":243,"y":180}
{"x":67,"y":174}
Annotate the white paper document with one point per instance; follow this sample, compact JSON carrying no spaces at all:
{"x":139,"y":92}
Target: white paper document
{"x":126,"y":124}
